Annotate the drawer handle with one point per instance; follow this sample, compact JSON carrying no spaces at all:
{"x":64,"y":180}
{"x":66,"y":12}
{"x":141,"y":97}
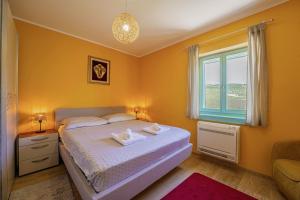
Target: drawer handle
{"x":39,"y":139}
{"x":41,"y":160}
{"x":40,"y":147}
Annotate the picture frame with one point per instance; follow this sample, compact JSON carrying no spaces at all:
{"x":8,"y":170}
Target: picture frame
{"x":98,"y":70}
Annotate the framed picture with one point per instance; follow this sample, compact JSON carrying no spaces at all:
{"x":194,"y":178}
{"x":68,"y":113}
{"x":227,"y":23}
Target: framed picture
{"x":99,"y":70}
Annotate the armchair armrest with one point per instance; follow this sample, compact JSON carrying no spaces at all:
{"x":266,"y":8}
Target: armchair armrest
{"x":286,"y":150}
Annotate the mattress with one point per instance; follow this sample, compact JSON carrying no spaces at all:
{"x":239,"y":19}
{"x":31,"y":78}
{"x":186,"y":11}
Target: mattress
{"x":105,"y":162}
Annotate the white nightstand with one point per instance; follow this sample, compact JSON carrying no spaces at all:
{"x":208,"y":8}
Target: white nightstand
{"x":36,"y":151}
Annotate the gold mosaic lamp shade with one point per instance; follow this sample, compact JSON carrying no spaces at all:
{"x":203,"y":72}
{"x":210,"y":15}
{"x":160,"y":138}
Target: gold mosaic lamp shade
{"x":125,"y":28}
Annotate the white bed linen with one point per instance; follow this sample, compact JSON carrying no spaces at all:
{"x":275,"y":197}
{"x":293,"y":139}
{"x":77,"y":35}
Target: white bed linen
{"x":106,"y":162}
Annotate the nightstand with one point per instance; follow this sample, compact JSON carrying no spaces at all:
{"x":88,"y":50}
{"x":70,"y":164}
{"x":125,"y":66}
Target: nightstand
{"x":37,"y":151}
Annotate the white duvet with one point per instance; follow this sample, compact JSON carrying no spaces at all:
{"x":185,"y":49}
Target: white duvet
{"x":105,"y":162}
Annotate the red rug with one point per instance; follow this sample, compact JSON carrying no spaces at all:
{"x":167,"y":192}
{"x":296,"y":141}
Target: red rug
{"x":201,"y":187}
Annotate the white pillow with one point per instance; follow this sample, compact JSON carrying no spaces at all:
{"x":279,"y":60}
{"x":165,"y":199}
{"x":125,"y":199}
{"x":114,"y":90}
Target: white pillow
{"x":76,"y":122}
{"x":118,"y":117}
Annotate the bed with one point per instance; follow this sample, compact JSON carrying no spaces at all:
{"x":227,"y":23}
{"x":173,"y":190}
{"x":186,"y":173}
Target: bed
{"x":101,"y":168}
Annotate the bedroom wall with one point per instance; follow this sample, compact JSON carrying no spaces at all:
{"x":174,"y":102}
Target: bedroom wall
{"x":53,"y":74}
{"x":163,"y":81}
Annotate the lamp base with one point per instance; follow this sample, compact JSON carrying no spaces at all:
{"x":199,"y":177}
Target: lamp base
{"x":41,"y":131}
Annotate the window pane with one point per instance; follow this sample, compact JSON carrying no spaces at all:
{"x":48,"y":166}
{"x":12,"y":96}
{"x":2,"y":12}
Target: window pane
{"x":236,"y":77}
{"x":212,"y":83}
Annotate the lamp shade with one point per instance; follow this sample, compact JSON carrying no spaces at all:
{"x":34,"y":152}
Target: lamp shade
{"x":40,"y":117}
{"x":125,"y":28}
{"x":136,"y":109}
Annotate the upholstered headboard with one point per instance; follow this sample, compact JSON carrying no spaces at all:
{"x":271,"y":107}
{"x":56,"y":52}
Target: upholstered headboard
{"x":62,"y":113}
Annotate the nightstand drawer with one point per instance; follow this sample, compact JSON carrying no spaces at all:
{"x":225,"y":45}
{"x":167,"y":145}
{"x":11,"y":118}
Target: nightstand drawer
{"x":37,"y":139}
{"x":37,"y":150}
{"x":38,"y":163}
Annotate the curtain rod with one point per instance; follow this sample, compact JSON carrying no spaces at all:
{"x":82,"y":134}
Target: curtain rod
{"x":267,"y":21}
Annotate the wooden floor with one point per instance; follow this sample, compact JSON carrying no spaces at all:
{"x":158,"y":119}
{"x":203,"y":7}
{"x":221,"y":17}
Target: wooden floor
{"x":253,"y":184}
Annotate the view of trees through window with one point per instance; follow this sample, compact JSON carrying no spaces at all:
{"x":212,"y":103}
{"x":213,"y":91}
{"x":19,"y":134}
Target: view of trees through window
{"x":224,"y":81}
{"x":236,"y":80}
{"x":212,"y":80}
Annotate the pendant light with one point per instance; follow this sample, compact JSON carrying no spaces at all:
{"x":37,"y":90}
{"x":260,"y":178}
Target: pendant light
{"x":125,"y":28}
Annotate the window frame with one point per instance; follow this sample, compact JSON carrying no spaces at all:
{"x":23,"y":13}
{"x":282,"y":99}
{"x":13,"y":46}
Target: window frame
{"x":223,"y":114}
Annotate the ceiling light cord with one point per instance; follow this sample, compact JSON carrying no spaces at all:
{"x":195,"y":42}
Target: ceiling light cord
{"x":126,"y":6}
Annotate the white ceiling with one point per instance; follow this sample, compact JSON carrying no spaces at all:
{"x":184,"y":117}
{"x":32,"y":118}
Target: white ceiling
{"x":162,"y":22}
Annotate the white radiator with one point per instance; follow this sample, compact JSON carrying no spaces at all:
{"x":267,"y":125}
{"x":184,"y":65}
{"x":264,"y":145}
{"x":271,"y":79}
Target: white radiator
{"x":219,"y":140}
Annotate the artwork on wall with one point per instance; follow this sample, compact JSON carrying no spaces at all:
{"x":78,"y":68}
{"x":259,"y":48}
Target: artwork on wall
{"x":99,"y":70}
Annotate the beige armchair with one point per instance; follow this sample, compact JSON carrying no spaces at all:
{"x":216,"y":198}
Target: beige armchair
{"x":286,"y":168}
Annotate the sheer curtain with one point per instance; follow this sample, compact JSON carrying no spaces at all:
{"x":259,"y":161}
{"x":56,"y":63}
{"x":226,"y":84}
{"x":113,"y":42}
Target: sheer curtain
{"x":193,"y":82}
{"x":257,"y":84}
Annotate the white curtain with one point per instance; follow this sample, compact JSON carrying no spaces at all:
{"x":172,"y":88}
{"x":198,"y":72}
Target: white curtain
{"x":257,"y":84}
{"x":193,"y":82}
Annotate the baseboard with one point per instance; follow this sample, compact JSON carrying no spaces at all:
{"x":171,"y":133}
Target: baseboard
{"x":230,"y":164}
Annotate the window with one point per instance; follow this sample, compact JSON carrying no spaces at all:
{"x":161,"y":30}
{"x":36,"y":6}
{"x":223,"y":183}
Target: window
{"x":223,"y":85}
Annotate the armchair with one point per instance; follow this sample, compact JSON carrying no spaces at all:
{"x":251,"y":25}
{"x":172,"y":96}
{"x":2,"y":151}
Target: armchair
{"x":286,"y":168}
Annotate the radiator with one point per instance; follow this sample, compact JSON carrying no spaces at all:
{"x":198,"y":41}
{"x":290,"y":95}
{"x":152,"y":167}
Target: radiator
{"x":219,"y":140}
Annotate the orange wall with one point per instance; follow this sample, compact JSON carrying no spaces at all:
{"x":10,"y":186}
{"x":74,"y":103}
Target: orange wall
{"x":53,"y":74}
{"x":163,"y":79}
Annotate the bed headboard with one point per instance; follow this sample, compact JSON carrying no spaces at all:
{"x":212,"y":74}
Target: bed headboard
{"x":62,"y":113}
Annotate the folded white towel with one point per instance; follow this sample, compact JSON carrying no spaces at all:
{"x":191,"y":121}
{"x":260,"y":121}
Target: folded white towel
{"x":128,"y":137}
{"x":156,"y":129}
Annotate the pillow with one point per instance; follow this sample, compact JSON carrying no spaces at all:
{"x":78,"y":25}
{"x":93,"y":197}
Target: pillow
{"x":118,"y":117}
{"x":76,"y":122}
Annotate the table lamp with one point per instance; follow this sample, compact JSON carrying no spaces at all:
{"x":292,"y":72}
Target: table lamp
{"x":136,"y":110}
{"x":40,"y":117}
